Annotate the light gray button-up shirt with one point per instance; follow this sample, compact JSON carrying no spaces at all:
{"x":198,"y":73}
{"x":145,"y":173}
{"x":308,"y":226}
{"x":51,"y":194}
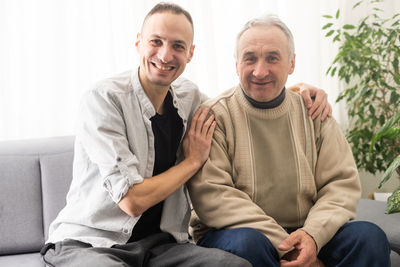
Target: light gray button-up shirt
{"x":114,"y":149}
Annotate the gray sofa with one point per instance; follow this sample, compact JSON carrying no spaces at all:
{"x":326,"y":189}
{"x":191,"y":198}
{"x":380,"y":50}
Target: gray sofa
{"x":34,"y":178}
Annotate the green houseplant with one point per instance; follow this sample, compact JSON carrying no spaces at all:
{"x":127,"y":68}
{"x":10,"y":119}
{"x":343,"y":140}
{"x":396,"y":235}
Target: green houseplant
{"x":390,"y":131}
{"x":368,"y":63}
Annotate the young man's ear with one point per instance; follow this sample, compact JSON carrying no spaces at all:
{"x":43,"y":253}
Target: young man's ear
{"x":191,"y":51}
{"x":138,"y":37}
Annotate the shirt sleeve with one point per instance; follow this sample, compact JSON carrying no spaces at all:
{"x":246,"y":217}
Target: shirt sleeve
{"x":102,"y":134}
{"x":338,"y":185}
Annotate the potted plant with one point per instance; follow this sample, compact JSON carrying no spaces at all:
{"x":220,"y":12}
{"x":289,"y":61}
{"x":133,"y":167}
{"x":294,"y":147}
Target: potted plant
{"x":390,"y":131}
{"x":368,"y":62}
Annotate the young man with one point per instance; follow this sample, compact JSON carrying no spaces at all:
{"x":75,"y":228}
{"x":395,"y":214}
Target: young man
{"x":278,"y":188}
{"x":127,"y":204}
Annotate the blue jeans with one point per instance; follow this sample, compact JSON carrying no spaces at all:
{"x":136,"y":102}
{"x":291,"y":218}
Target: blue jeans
{"x":355,"y":244}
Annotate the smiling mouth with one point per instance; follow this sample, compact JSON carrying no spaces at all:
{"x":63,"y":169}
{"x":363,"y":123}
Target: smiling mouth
{"x":261,"y":83}
{"x":163,"y":67}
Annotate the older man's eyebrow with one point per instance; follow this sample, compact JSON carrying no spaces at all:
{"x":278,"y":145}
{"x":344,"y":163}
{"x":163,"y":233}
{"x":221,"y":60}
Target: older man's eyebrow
{"x":273,"y":53}
{"x":248,"y":54}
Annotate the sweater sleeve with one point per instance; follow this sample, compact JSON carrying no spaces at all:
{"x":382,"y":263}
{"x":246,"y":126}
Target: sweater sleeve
{"x":338,"y":185}
{"x":218,"y":202}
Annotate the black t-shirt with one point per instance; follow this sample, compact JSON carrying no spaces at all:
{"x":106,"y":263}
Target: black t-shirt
{"x":167,"y":129}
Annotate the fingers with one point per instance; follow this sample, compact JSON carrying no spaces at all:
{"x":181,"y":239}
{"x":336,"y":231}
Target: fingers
{"x":193,"y":123}
{"x":289,"y":242}
{"x":295,"y":263}
{"x":307,"y":98}
{"x":197,"y":124}
{"x":319,"y":105}
{"x":210,"y":131}
{"x":318,"y":101}
{"x":201,"y":124}
{"x":318,"y":109}
{"x":206,"y":125}
{"x":326,"y":112}
{"x":303,"y":259}
{"x":197,"y":142}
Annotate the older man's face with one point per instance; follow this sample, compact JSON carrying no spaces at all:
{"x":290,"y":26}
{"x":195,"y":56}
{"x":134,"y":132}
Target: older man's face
{"x":263,"y":63}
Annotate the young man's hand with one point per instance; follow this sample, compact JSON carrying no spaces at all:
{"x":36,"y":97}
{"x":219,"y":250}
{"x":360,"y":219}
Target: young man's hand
{"x":197,"y":141}
{"x":320,"y":105}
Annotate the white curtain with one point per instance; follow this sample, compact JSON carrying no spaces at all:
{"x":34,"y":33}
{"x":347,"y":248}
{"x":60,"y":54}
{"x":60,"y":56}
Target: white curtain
{"x":51,"y":51}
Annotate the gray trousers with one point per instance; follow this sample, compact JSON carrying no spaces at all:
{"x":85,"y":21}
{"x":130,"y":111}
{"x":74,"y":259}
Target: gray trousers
{"x":153,"y":251}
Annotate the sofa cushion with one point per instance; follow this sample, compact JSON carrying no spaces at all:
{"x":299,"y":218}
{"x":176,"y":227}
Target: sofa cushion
{"x":31,"y":260}
{"x":374,"y":211}
{"x":56,"y":178}
{"x":22,"y":162}
{"x":20,"y":204}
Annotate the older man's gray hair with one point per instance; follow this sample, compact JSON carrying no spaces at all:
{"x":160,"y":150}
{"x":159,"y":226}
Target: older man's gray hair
{"x":268,"y":20}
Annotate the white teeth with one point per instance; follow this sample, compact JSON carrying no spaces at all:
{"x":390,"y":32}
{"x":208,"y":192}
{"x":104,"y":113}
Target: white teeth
{"x":163,"y":67}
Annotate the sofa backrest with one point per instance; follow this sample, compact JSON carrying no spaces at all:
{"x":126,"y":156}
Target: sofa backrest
{"x":35,"y":176}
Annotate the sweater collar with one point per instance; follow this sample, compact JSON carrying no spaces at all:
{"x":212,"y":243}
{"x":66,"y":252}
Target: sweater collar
{"x":266,"y":113}
{"x":266,"y":105}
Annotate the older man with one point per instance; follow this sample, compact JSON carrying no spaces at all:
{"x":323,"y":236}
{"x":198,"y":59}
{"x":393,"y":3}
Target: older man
{"x":279,"y":188}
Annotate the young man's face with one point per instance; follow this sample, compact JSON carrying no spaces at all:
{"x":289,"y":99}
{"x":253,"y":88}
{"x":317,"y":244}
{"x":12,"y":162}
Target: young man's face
{"x":165,"y":47}
{"x":263,"y":63}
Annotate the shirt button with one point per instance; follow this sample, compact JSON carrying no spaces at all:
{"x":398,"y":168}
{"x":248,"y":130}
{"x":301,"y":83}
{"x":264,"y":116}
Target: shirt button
{"x":126,"y":231}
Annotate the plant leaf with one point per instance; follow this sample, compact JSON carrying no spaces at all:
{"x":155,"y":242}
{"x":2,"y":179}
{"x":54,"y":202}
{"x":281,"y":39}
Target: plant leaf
{"x":333,"y":71}
{"x":390,"y":122}
{"x":394,"y":98}
{"x":337,"y":14}
{"x":327,"y":16}
{"x":396,"y":78}
{"x":327,"y":26}
{"x":357,"y":4}
{"x":371,"y":110}
{"x":329,"y":33}
{"x":393,"y":202}
{"x":385,"y":127}
{"x":395,"y":64}
{"x":393,"y":133}
{"x":336,"y":38}
{"x":389,"y":172}
{"x":348,"y":27}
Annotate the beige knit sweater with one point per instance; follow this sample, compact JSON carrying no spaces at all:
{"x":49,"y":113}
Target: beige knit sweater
{"x":274,"y":168}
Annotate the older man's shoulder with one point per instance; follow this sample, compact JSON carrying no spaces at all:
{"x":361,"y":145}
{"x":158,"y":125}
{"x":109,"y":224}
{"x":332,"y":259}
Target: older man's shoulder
{"x":219,"y":100}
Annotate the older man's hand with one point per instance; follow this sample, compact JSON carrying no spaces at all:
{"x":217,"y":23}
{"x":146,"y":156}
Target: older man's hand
{"x":304,"y":253}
